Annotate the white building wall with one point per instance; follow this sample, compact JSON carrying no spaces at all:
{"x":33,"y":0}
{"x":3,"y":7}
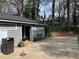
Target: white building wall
{"x":6,"y":32}
{"x":16,"y":34}
{"x":35,"y":31}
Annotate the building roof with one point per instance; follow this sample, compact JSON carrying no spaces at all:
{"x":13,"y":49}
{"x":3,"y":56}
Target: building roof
{"x":18,"y":19}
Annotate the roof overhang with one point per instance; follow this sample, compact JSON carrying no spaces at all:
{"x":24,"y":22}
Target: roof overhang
{"x":19,"y":20}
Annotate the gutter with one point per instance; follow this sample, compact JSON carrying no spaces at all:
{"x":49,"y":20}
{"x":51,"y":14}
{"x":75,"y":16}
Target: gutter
{"x":22,"y":22}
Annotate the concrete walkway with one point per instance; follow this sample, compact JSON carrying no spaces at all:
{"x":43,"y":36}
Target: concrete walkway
{"x":50,"y":48}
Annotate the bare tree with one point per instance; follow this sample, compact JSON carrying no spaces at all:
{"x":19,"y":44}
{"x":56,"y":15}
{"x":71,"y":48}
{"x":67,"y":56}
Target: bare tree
{"x":2,"y":3}
{"x":19,"y":5}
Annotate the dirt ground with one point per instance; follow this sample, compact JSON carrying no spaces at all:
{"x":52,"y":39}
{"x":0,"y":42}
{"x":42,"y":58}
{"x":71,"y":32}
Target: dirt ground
{"x":63,"y":47}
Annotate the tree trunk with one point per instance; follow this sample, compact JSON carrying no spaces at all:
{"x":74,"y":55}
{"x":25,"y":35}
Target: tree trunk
{"x":53,"y":15}
{"x":59,"y":14}
{"x":68,"y":14}
{"x":74,"y":15}
{"x":33,"y":11}
{"x":53,"y":8}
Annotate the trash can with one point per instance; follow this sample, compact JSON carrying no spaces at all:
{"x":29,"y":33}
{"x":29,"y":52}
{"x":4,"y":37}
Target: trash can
{"x":7,"y":46}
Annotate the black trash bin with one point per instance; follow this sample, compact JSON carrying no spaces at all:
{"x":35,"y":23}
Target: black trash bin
{"x":7,"y":46}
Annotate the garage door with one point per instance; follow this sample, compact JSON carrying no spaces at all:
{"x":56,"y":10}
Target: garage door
{"x":3,"y":34}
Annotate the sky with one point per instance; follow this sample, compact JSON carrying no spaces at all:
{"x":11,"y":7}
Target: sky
{"x":46,"y":6}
